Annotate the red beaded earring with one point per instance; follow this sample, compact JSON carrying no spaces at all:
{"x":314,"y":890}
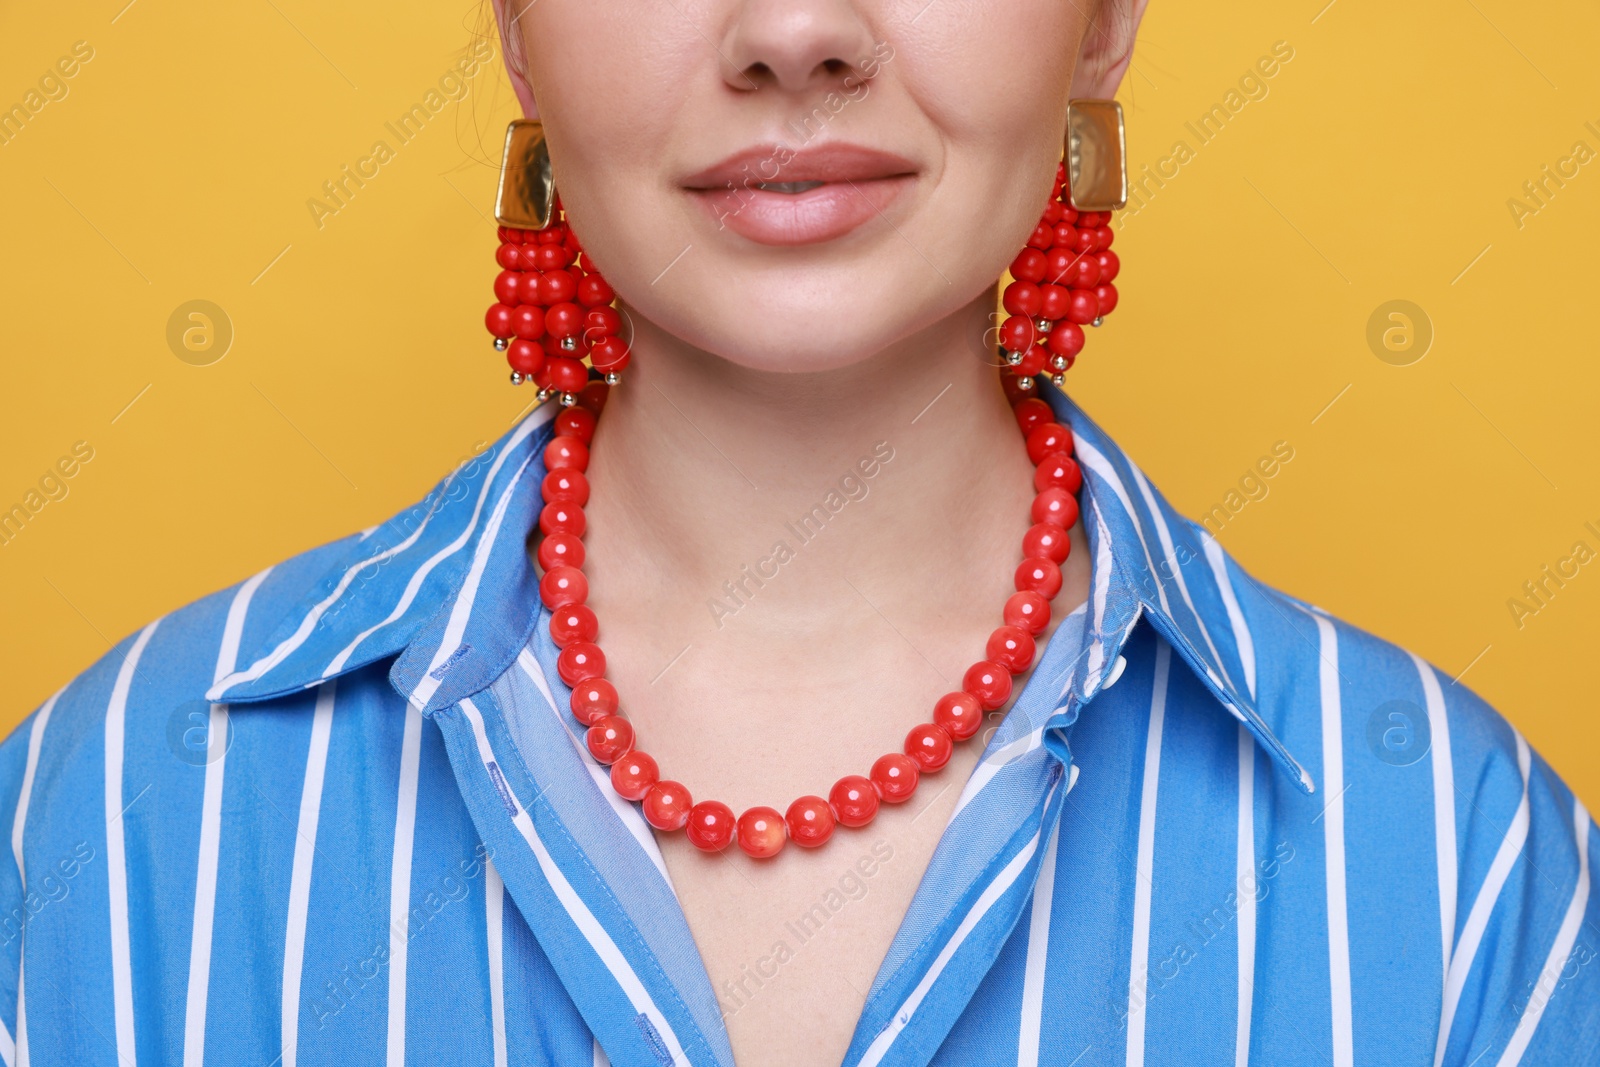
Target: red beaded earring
{"x":552,"y":308}
{"x":1064,"y":275}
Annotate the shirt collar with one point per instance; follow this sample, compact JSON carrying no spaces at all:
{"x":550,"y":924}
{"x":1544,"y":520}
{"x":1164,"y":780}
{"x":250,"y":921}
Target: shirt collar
{"x":447,"y":586}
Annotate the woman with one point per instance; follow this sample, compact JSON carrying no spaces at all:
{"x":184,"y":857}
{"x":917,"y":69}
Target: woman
{"x":378,"y":802}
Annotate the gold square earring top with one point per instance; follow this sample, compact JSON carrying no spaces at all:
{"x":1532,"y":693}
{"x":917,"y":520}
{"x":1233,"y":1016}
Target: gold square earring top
{"x":1097,"y":155}
{"x":527,"y":193}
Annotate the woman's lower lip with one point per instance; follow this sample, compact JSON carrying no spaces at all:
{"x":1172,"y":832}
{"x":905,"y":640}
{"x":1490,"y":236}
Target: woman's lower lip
{"x":822,"y":214}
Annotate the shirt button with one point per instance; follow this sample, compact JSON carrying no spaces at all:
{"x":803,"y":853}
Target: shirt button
{"x":1116,"y":672}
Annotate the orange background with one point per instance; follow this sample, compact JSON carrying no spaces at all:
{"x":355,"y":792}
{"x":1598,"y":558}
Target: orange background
{"x":1376,"y":164}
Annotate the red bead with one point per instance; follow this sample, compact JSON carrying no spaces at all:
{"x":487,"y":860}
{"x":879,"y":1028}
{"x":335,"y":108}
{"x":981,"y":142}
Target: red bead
{"x":1084,"y":273}
{"x":564,"y":320}
{"x":1103,"y":236}
{"x":1053,"y":212}
{"x":1058,"y":471}
{"x":610,"y":355}
{"x":1083,"y":307}
{"x":1032,"y":362}
{"x":960,"y":714}
{"x":1056,"y":506}
{"x":854,"y":801}
{"x":666,"y":805}
{"x":580,"y":661}
{"x":506,"y":255}
{"x":1043,"y":236}
{"x":930,"y":745}
{"x":1084,"y":237}
{"x":1058,"y":264}
{"x":566,"y":453}
{"x":508,"y":287}
{"x":1012,"y":647}
{"x":1032,"y":413}
{"x":498,"y":320}
{"x":560,"y":550}
{"x":633,"y":775}
{"x":565,"y":487}
{"x":1047,"y":438}
{"x":1028,"y":610}
{"x":1043,"y":539}
{"x":989,"y":682}
{"x":576,"y":422}
{"x":1018,"y":333}
{"x":567,"y":375}
{"x":1056,"y":299}
{"x":562,"y":518}
{"x":572,"y":624}
{"x":1066,"y":339}
{"x":551,"y":257}
{"x":527,"y":322}
{"x":602,"y":322}
{"x":761,"y":832}
{"x":593,"y":700}
{"x":895,"y":776}
{"x":810,"y":821}
{"x":556,"y":287}
{"x":525,"y":357}
{"x":1028,"y":266}
{"x":1106,"y":297}
{"x":610,"y":738}
{"x":593,"y":291}
{"x":1041,"y":576}
{"x":563,"y":586}
{"x":592,"y":397}
{"x":1022,"y":298}
{"x":1110,"y":266}
{"x":1010,"y":385}
{"x":710,"y":826}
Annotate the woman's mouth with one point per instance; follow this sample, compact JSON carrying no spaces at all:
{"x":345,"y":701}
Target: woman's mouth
{"x":774,"y":195}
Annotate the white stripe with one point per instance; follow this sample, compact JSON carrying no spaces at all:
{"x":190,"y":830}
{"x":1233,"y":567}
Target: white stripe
{"x":1241,"y":629}
{"x":205,"y":889}
{"x":116,"y":849}
{"x":16,"y":1052}
{"x":1483,"y":906}
{"x":1102,"y":466}
{"x":1246,"y":876}
{"x":1333,"y":836}
{"x":1102,"y":592}
{"x":309,"y":624}
{"x":1038,"y":953}
{"x":305,"y":847}
{"x":25,"y":795}
{"x":1444,"y":805}
{"x":461,"y":611}
{"x":1177,"y":570}
{"x":1143,"y":888}
{"x":626,"y":810}
{"x":405,"y":827}
{"x":1560,"y":950}
{"x":599,"y":940}
{"x":494,"y":909}
{"x":986,"y":900}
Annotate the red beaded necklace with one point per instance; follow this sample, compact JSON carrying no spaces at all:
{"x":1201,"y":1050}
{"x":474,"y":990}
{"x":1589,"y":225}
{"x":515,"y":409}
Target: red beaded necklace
{"x":854,"y":799}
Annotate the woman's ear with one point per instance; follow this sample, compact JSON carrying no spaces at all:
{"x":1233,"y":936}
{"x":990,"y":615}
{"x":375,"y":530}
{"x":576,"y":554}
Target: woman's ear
{"x":1106,"y":50}
{"x":507,"y":16}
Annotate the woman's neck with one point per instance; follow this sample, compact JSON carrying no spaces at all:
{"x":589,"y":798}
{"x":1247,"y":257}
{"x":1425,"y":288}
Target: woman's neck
{"x":907,"y":461}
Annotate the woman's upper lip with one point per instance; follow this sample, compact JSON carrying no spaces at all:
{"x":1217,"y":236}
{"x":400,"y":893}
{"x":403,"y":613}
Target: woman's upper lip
{"x":837,"y":161}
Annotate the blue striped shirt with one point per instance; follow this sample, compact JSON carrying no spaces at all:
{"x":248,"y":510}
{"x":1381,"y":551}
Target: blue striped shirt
{"x":340,"y":813}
